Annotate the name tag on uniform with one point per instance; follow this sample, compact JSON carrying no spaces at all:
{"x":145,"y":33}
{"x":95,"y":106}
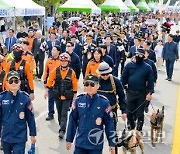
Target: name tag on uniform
{"x":82,"y":105}
{"x":5,"y":102}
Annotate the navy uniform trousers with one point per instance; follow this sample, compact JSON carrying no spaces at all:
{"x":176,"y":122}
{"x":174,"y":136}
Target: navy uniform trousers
{"x":17,"y":148}
{"x":86,"y":151}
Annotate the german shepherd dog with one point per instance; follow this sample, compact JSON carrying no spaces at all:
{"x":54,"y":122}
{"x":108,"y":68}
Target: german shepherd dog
{"x":130,"y":140}
{"x":156,"y":121}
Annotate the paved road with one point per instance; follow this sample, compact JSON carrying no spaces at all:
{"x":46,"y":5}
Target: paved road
{"x":165,"y":94}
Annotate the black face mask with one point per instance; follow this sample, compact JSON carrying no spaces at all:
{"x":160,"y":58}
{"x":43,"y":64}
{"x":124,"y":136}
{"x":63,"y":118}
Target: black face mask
{"x":17,"y":56}
{"x":139,"y":60}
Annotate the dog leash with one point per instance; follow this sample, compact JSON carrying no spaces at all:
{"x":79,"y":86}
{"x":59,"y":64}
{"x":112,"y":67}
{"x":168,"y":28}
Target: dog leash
{"x":152,"y":106}
{"x":136,"y":108}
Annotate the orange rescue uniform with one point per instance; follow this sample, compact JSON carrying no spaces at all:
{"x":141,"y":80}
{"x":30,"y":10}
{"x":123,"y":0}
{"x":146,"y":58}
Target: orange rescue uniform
{"x":28,"y":56}
{"x":91,"y":68}
{"x":51,"y":64}
{"x":28,"y":73}
{"x":30,"y":40}
{"x":52,"y":78}
{"x":3,"y":74}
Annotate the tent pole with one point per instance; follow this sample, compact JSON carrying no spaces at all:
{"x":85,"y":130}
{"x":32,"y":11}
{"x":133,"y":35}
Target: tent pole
{"x":14,"y":24}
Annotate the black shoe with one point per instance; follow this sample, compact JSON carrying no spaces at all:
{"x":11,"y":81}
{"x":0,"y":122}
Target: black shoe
{"x":146,"y":109}
{"x":169,"y":79}
{"x":61,"y":134}
{"x":49,"y":118}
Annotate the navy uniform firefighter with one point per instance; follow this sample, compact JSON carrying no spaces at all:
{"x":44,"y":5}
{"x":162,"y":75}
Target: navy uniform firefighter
{"x":111,"y":87}
{"x":88,"y":50}
{"x":16,"y":112}
{"x":63,"y":80}
{"x":52,"y":63}
{"x":24,"y":69}
{"x":138,"y":77}
{"x":90,"y":112}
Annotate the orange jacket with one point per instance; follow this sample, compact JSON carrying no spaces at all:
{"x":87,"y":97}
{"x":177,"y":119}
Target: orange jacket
{"x":3,"y":83}
{"x":28,"y":56}
{"x":52,"y":78}
{"x":30,"y":40}
{"x":92,"y":66}
{"x":50,"y":65}
{"x":28,"y":73}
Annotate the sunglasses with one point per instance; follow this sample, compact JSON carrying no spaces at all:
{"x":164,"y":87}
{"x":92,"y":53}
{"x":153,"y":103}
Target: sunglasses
{"x":105,"y":74}
{"x":92,"y":84}
{"x":139,"y":55}
{"x":63,"y":58}
{"x":16,"y":81}
{"x":68,"y":46}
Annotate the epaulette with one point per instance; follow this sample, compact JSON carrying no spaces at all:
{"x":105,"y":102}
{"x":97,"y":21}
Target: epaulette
{"x":84,"y":44}
{"x":81,"y":95}
{"x":94,"y":45}
{"x":25,"y":93}
{"x":3,"y":92}
{"x":102,"y":96}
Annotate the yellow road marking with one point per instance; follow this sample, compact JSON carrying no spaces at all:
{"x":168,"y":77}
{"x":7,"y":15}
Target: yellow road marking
{"x":176,"y":137}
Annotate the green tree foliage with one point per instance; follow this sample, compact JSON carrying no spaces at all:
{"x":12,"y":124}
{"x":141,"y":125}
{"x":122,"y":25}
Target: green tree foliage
{"x":97,"y":2}
{"x":48,"y":3}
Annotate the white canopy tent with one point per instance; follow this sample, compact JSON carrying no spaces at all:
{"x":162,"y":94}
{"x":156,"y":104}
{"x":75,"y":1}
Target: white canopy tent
{"x":25,"y":8}
{"x":131,"y":6}
{"x":151,"y":4}
{"x":114,"y":5}
{"x":81,"y":6}
{"x":142,"y":6}
{"x":5,"y":10}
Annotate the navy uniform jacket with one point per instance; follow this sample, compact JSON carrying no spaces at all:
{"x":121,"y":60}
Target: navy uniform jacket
{"x":78,"y":50}
{"x":15,"y":114}
{"x":152,"y":55}
{"x":153,"y":66}
{"x":50,"y":46}
{"x":63,"y":42}
{"x":106,"y":85}
{"x":108,"y":60}
{"x":138,"y":77}
{"x":112,"y":53}
{"x":75,"y":64}
{"x":170,"y":51}
{"x":88,"y":117}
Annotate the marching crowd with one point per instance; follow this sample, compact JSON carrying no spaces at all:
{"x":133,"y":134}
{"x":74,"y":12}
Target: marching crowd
{"x":97,"y":48}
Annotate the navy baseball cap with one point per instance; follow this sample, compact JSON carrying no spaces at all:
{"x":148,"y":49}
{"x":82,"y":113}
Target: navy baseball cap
{"x":91,"y":78}
{"x":13,"y":74}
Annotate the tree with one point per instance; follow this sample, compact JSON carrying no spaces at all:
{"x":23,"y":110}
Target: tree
{"x":49,"y":4}
{"x":97,"y":2}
